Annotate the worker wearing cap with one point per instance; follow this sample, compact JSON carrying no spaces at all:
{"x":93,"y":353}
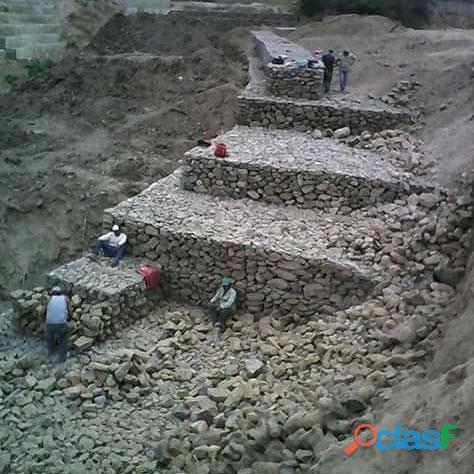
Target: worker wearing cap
{"x":224,"y":302}
{"x":57,"y":313}
{"x":111,"y":244}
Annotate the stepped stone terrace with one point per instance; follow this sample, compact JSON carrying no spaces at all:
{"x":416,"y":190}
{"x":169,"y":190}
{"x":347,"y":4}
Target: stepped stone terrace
{"x":283,"y":259}
{"x":288,"y":80}
{"x":293,"y":168}
{"x":104,"y":299}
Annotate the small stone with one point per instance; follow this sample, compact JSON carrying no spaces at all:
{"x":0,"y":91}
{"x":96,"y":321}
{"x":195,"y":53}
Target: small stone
{"x":254,"y":367}
{"x":342,"y":133}
{"x":83,"y":343}
{"x":47,"y":385}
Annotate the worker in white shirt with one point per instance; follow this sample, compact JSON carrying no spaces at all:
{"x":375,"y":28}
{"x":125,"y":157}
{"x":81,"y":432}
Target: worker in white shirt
{"x":112,"y":245}
{"x":224,"y":302}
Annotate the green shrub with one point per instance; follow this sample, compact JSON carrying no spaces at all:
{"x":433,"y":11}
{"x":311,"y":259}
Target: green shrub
{"x":11,"y":79}
{"x":38,"y":66}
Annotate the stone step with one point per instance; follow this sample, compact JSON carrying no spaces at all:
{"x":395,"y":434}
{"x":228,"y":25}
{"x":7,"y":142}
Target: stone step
{"x":53,"y":51}
{"x":285,"y":260}
{"x":285,"y":113}
{"x":41,"y":9}
{"x":104,"y":298}
{"x":22,"y":18}
{"x":29,"y":29}
{"x":14,"y":42}
{"x":293,"y":168}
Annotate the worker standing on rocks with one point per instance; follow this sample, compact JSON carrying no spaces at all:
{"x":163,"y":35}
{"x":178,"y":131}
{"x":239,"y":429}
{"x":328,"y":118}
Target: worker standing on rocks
{"x":328,"y":60}
{"x":112,"y":244}
{"x":57,"y":313}
{"x":223,"y":304}
{"x":345,"y":64}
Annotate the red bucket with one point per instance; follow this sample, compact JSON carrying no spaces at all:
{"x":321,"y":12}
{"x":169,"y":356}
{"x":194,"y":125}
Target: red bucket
{"x":221,"y":150}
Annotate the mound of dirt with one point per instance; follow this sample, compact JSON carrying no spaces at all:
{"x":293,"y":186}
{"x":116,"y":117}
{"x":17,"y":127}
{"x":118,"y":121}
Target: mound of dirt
{"x":97,"y":128}
{"x":169,"y":34}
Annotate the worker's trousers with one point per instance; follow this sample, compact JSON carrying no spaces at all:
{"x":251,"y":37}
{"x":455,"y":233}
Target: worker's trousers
{"x":327,"y":79}
{"x":343,"y":79}
{"x":116,"y":253}
{"x":57,"y":334}
{"x":220,"y":315}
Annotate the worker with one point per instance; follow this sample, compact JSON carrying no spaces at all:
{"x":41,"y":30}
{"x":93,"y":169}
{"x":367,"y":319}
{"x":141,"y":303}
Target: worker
{"x":112,"y":245}
{"x":328,"y":60}
{"x":224,"y":302}
{"x":345,"y":64}
{"x":57,"y":313}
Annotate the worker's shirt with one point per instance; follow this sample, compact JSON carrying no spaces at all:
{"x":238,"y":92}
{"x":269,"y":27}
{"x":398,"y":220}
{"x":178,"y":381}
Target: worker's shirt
{"x":346,"y":62}
{"x":56,"y":313}
{"x":114,"y":240}
{"x":328,"y":61}
{"x":225,"y":300}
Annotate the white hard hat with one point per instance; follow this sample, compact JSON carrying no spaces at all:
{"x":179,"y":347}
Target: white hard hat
{"x":115,"y":227}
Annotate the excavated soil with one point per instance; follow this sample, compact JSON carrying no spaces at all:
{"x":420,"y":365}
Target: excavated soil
{"x":101,"y":126}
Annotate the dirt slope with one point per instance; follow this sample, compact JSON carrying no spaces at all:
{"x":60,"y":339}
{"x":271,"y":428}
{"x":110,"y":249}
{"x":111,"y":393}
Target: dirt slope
{"x":441,"y":60}
{"x":96,"y":129}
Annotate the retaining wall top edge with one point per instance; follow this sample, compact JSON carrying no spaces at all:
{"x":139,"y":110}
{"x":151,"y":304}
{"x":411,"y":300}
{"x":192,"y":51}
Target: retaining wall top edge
{"x":376,"y":108}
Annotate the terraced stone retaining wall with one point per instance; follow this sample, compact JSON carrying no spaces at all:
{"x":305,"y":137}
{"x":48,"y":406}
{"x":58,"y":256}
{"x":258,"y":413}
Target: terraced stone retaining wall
{"x":298,"y":83}
{"x":302,"y":188}
{"x":304,"y":115}
{"x":286,"y":80}
{"x":268,"y":281}
{"x":97,"y":311}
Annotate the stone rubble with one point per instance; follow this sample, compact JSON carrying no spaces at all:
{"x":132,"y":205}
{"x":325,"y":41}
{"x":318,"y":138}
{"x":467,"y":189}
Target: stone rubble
{"x":341,"y":308}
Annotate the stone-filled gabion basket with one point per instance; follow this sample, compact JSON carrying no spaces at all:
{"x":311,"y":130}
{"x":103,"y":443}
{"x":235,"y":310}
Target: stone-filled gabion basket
{"x":103,"y":300}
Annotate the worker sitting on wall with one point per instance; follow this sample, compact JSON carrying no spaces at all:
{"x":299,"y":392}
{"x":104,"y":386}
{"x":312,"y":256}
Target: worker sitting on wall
{"x":224,"y":303}
{"x":112,"y":245}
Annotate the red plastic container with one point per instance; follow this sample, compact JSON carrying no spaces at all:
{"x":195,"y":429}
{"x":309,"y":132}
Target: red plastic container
{"x":221,"y":150}
{"x":151,"y":275}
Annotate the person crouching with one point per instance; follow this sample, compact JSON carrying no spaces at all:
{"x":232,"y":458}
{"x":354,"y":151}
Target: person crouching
{"x":223,"y":304}
{"x":112,"y":245}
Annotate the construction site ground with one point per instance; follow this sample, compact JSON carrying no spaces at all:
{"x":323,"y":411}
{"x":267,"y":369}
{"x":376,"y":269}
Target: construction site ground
{"x":101,"y":127}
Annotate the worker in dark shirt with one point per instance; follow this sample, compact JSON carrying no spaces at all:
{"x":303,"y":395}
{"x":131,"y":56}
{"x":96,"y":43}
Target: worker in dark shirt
{"x":328,"y":60}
